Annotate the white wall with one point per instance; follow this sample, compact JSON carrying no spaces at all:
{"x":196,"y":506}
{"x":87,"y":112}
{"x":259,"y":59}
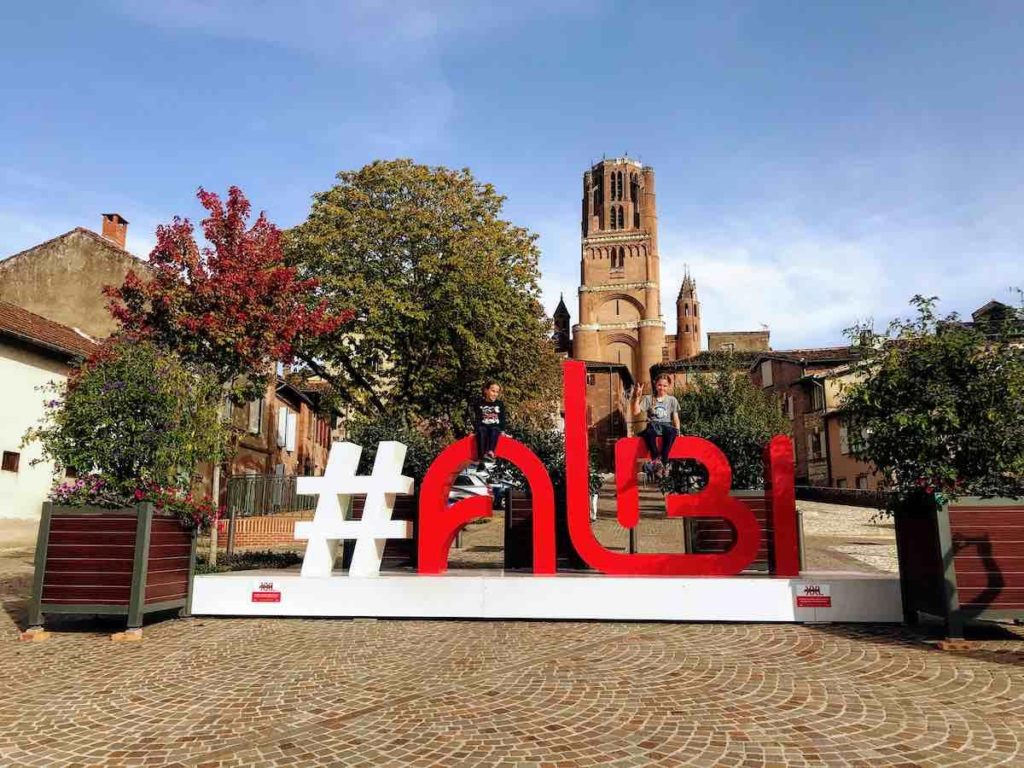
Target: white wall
{"x":21,"y":407}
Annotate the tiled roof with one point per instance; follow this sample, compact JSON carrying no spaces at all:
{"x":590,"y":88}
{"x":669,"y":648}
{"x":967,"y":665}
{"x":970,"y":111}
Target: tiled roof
{"x":80,"y":231}
{"x":812,"y":355}
{"x":706,"y":359}
{"x":35,"y":329}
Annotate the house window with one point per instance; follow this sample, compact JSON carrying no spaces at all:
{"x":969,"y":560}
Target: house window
{"x":766,"y":373}
{"x":862,"y":482}
{"x":620,"y":217}
{"x":730,"y":347}
{"x":817,"y":397}
{"x":787,"y":405}
{"x":816,"y":444}
{"x":227,"y":409}
{"x":844,"y":440}
{"x":591,"y":379}
{"x":10,"y":461}
{"x":256,"y":416}
{"x":841,"y":482}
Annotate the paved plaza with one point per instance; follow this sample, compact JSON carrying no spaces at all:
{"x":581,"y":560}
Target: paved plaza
{"x":295,"y":692}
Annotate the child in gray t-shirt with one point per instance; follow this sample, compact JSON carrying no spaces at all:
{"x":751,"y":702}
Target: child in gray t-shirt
{"x":662,"y":410}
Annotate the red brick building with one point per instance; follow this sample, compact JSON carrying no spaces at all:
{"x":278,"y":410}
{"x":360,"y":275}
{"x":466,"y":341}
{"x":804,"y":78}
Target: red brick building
{"x":807,"y":381}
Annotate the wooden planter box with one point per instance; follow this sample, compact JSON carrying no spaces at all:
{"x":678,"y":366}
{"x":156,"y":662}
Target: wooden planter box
{"x":962,"y":561}
{"x":518,"y":507}
{"x":399,"y":554}
{"x":708,"y":535}
{"x":124,"y":562}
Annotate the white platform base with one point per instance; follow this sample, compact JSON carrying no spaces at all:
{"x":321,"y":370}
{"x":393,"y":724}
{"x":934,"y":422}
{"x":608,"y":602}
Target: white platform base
{"x":839,"y":597}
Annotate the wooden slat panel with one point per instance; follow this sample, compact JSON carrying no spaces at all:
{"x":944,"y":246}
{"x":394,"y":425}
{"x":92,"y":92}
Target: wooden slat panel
{"x":985,"y":516}
{"x":1002,"y":532}
{"x":995,"y":548}
{"x":90,"y":564}
{"x":158,"y":592}
{"x":57,"y":551}
{"x":167,"y":577}
{"x":167,"y":525}
{"x":180,"y":538}
{"x":983,"y":579}
{"x":167,"y":564}
{"x":87,"y":593}
{"x":984,"y":564}
{"x":78,"y":578}
{"x":86,"y":523}
{"x":71,"y":538}
{"x":992,"y":598}
{"x":177,"y":550}
{"x":86,"y":601}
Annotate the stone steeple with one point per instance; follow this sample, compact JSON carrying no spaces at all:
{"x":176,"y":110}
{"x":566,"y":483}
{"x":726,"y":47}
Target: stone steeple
{"x":687,"y":319}
{"x":563,"y":341}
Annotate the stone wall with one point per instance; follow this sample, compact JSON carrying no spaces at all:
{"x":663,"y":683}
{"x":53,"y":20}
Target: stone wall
{"x":63,"y":280}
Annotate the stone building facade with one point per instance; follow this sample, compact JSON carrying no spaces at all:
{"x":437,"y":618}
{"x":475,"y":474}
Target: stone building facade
{"x":794,"y":376}
{"x":63,"y":278}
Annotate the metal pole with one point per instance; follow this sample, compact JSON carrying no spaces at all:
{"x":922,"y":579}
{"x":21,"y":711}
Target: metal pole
{"x":230,"y":549}
{"x":216,"y":505}
{"x":632,"y":540}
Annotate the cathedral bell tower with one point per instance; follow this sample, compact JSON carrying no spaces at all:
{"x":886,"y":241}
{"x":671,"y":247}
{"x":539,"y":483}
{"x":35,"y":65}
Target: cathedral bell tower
{"x":687,"y":319}
{"x":619,"y":300}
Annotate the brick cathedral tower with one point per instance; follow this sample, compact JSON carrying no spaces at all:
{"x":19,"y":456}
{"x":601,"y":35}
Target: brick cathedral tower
{"x":687,"y":319}
{"x":620,"y":305}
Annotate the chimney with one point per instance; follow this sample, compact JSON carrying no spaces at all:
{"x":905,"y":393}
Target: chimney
{"x":115,"y":228}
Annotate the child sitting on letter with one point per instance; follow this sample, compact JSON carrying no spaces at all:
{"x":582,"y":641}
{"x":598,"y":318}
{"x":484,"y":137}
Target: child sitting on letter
{"x":488,"y":422}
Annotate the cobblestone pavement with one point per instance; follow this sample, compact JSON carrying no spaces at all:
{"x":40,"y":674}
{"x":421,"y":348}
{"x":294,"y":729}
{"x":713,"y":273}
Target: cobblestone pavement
{"x":294,"y":692}
{"x":289,"y":692}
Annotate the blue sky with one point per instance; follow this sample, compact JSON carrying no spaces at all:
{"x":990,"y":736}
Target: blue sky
{"x":817,"y":163}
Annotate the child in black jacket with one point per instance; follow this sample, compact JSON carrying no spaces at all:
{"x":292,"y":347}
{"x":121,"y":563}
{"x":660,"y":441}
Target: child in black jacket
{"x":488,"y":421}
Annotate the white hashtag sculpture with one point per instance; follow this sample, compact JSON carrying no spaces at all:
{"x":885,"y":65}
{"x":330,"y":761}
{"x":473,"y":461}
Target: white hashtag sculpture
{"x":336,"y":488}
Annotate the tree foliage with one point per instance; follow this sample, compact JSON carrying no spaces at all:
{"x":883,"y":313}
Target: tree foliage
{"x":939,"y":410}
{"x":445,"y":293}
{"x":725,"y":407}
{"x":233,"y":307}
{"x":135,"y":417}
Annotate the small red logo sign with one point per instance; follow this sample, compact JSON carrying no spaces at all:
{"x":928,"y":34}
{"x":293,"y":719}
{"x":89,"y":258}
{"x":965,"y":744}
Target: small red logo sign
{"x":264,"y":592}
{"x":813,"y":596}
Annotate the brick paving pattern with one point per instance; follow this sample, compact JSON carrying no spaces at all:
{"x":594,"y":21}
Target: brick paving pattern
{"x":296,"y":692}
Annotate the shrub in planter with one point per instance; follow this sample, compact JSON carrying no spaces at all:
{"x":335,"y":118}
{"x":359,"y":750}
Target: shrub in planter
{"x":132,"y":423}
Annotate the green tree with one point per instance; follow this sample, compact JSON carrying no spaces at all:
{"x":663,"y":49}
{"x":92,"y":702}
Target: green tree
{"x":445,"y":294}
{"x":939,"y":409}
{"x":135,"y":416}
{"x":725,"y":407}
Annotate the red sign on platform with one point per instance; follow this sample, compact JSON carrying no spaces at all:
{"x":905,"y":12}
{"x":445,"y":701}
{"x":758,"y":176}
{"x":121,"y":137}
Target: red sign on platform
{"x":813,"y":596}
{"x":264,"y":592}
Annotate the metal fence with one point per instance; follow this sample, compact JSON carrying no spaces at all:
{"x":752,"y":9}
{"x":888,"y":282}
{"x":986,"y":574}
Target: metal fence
{"x":252,"y":495}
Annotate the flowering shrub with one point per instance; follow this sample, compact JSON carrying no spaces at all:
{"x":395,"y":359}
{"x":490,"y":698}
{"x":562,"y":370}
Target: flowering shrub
{"x":132,"y":415}
{"x":95,"y":491}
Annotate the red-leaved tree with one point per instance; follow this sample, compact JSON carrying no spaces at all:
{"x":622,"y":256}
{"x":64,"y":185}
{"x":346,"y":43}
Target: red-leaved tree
{"x":232,"y":307}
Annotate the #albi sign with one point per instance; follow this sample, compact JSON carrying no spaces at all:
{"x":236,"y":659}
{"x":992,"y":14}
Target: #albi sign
{"x":440,"y":521}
